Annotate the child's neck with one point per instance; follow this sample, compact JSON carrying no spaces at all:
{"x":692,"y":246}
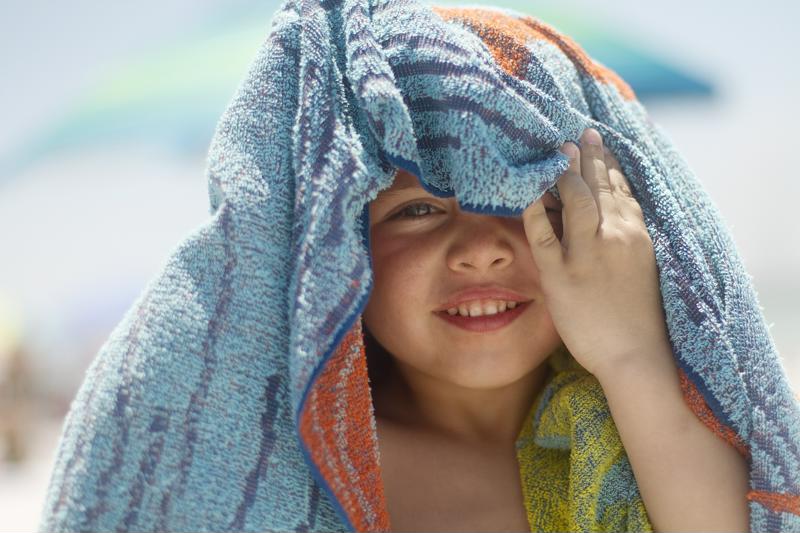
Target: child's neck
{"x":480,"y":416}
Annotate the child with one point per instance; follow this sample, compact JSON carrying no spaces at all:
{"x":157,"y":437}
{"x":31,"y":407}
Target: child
{"x":471,"y":306}
{"x":235,"y":393}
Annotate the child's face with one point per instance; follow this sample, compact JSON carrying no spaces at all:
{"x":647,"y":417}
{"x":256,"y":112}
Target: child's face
{"x":421,"y":254}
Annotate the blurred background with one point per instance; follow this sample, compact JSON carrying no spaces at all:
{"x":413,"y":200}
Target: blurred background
{"x":108,"y":111}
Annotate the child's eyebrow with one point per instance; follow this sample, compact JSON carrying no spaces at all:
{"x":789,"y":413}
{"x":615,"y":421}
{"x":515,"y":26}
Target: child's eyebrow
{"x":388,"y":194}
{"x":400,"y":188}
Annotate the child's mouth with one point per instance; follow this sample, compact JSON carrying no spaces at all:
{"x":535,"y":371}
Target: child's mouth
{"x":484,"y":323}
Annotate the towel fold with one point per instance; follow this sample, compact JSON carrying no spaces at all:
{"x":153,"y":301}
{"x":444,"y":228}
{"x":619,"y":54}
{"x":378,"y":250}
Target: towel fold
{"x":574,"y":470}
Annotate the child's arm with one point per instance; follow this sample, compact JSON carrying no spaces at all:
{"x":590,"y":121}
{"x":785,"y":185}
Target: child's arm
{"x":688,"y":477}
{"x":601,"y":288}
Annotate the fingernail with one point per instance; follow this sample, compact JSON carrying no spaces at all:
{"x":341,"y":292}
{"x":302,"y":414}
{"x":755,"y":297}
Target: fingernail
{"x":592,"y":136}
{"x":570,"y":149}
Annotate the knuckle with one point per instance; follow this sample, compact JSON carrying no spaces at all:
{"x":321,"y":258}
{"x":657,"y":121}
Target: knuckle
{"x":545,"y":240}
{"x":605,"y":188}
{"x":583,"y":202}
{"x":636,"y":237}
{"x":635,"y":206}
{"x":613,"y":236}
{"x":599,"y":164}
{"x":626,"y":236}
{"x":620,"y":185}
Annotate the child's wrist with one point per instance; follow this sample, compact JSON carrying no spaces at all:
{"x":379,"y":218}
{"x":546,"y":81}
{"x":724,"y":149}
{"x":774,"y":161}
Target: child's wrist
{"x":655,"y":358}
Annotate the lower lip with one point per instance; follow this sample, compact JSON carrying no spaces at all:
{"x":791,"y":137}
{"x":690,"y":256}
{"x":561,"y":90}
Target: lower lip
{"x":486,"y":322}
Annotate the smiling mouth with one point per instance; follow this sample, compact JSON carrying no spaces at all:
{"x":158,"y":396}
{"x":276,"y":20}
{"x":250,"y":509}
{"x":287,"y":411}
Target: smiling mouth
{"x":489,"y":308}
{"x":481,"y":306}
{"x":484,"y":323}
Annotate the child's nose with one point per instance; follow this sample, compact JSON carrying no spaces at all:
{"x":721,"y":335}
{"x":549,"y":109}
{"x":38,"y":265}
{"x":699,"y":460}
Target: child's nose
{"x":481,"y":247}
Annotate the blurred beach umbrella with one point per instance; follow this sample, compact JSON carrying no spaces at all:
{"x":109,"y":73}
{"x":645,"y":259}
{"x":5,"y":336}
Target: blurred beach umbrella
{"x":650,"y":76}
{"x":173,"y":95}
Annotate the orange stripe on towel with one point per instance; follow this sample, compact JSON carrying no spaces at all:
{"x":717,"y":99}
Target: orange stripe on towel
{"x":506,"y":38}
{"x":777,"y":502}
{"x":700,"y":408}
{"x":337,"y":426}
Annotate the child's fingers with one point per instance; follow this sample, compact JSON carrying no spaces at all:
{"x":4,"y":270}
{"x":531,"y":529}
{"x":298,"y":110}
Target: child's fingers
{"x":544,"y":244}
{"x":618,"y":183}
{"x":595,"y":172}
{"x":621,"y":188}
{"x":580,"y":212}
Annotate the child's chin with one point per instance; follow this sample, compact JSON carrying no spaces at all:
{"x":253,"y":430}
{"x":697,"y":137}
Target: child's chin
{"x":492,"y":376}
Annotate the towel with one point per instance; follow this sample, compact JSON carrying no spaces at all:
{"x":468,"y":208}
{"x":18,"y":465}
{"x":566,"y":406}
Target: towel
{"x":234,"y":394}
{"x":574,"y":470}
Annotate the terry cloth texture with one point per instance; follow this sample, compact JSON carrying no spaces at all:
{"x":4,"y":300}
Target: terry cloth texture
{"x":234,"y":393}
{"x":574,"y":470}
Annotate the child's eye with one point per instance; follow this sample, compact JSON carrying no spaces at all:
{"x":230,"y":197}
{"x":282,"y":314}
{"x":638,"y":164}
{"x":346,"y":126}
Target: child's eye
{"x":409,"y":210}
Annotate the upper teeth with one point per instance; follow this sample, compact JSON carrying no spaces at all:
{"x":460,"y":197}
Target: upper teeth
{"x":482,"y":307}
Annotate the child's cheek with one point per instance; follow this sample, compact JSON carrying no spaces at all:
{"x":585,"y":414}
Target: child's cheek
{"x":401,"y":265}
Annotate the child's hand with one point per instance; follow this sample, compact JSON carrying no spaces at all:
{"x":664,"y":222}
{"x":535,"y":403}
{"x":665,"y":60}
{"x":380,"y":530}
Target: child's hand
{"x":600,"y":282}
